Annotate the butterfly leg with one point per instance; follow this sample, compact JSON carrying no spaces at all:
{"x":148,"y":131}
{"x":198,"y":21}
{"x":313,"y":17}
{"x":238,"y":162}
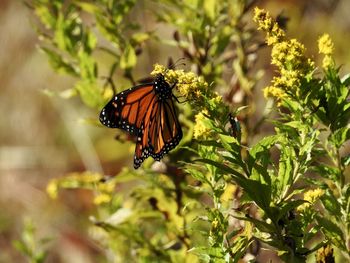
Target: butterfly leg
{"x":176,"y":98}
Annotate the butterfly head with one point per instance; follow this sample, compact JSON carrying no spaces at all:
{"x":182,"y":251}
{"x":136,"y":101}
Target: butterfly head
{"x":162,"y":88}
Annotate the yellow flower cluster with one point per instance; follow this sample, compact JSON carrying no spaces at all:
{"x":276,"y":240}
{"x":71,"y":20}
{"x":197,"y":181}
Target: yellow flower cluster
{"x":287,"y":54}
{"x":201,"y":128}
{"x":326,"y":47}
{"x":266,"y":23}
{"x":85,"y":180}
{"x":272,"y":91}
{"x":189,"y":84}
{"x":311,"y":197}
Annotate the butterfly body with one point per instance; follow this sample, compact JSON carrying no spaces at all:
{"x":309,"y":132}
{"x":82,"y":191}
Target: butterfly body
{"x":148,"y":112}
{"x":162,"y":88}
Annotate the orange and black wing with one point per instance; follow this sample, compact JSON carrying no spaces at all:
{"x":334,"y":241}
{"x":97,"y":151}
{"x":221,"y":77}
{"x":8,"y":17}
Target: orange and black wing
{"x":161,"y":132}
{"x":143,"y":147}
{"x":127,"y":109}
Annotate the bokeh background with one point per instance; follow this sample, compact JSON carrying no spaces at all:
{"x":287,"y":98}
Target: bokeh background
{"x":42,"y":137}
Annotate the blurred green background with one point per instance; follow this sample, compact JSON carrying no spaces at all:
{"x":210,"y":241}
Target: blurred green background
{"x":42,"y":137}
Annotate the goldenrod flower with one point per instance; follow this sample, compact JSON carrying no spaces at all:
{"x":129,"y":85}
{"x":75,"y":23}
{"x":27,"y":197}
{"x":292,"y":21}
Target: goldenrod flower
{"x":52,"y":189}
{"x":87,"y":180}
{"x":107,"y":187}
{"x":188,"y":84}
{"x":102,"y":199}
{"x":287,"y":55}
{"x":201,"y":128}
{"x":274,"y":92}
{"x":325,"y":45}
{"x":274,"y":33}
{"x":311,"y":197}
{"x":327,"y":62}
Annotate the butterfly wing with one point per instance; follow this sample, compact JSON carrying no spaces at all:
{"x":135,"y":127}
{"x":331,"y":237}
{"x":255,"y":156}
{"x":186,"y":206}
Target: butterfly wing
{"x":143,"y":145}
{"x":149,"y":115}
{"x":161,"y":132}
{"x":127,"y":109}
{"x":164,"y":130}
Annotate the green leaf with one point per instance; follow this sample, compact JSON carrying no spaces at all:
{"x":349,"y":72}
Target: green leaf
{"x":88,"y":7}
{"x":60,"y":37}
{"x":327,"y":171}
{"x":261,"y":152}
{"x":331,"y":204}
{"x":235,"y":174}
{"x":346,"y":160}
{"x":210,"y":7}
{"x":209,"y":253}
{"x":258,"y":192}
{"x":45,"y":16}
{"x":239,"y":247}
{"x":88,"y":67}
{"x":128,"y":58}
{"x":90,"y":93}
{"x":209,"y":143}
{"x":290,"y":205}
{"x":331,"y":230}
{"x":346,"y":80}
{"x":285,"y":168}
{"x":340,"y":136}
{"x":261,"y":225}
{"x":264,"y":145}
{"x":230,"y":143}
{"x":261,"y":174}
{"x":195,"y":173}
{"x":58,"y":62}
{"x":90,"y":41}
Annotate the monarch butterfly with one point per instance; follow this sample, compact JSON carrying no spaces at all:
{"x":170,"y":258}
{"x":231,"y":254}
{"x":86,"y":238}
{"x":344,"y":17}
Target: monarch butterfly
{"x":146,"y":111}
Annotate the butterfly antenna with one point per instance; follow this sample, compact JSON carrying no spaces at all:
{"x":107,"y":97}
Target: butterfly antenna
{"x":176,"y":63}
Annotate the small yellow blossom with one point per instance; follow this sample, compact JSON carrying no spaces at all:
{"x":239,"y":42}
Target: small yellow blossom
{"x":214,"y":224}
{"x":290,"y":55}
{"x":52,"y":189}
{"x":86,"y":178}
{"x":215,"y":102}
{"x":287,"y":54}
{"x":228,"y":194}
{"x":271,"y":40}
{"x":217,"y":99}
{"x":274,"y":34}
{"x":107,"y":187}
{"x":189,"y":84}
{"x":325,"y":45}
{"x":274,"y":92}
{"x":327,"y":62}
{"x":158,"y":69}
{"x":201,"y":129}
{"x":311,"y":197}
{"x":214,"y":227}
{"x":102,"y":199}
